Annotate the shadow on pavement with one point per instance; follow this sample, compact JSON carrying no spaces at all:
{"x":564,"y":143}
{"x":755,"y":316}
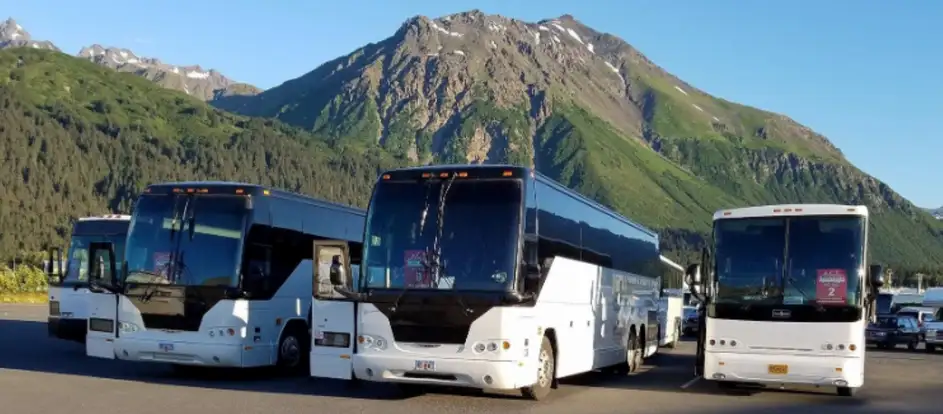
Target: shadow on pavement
{"x":25,"y":345}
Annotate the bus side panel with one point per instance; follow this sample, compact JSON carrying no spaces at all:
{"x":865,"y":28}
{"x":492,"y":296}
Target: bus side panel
{"x":566,"y":304}
{"x":290,"y":302}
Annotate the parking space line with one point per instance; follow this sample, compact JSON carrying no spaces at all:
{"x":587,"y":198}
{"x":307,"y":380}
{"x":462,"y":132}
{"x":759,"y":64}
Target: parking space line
{"x":691,"y":382}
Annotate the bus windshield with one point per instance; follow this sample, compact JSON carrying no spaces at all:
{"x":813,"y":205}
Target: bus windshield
{"x":805,"y":260}
{"x":478,"y":243}
{"x":77,"y":261}
{"x":188,"y":240}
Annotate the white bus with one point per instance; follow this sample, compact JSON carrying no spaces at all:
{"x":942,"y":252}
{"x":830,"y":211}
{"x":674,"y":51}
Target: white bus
{"x":68,"y":306}
{"x":671,"y":304}
{"x":216,"y":275}
{"x":788,"y":296}
{"x":489,"y":277}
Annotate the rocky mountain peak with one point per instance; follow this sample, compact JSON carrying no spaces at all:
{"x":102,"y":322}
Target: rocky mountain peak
{"x":192,"y":79}
{"x":14,"y":35}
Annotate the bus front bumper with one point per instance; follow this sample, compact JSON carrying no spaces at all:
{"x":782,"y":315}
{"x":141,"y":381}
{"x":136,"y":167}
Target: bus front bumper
{"x":179,"y":352}
{"x":800,"y":370}
{"x":71,"y":329}
{"x":484,"y":374}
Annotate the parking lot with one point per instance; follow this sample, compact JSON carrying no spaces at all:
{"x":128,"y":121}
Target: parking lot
{"x":42,"y":375}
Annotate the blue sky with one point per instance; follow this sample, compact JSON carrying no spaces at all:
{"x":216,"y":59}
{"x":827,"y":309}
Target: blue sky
{"x":864,"y":73}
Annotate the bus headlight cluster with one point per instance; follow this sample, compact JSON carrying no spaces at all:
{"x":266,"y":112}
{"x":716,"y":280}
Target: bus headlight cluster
{"x":723,"y":342}
{"x":839,"y":347}
{"x":128,"y":327}
{"x":492,"y":346}
{"x":225,"y":332}
{"x":371,"y":341}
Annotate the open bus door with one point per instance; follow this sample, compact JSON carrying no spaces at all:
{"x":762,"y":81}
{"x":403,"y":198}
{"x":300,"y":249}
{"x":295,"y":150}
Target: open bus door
{"x":333,"y":313}
{"x":102,"y":302}
{"x":699,"y":289}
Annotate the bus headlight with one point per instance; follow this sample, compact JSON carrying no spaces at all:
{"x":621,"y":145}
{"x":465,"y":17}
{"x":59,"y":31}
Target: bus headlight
{"x":839,"y":347}
{"x":492,"y":346}
{"x":128,"y":327}
{"x":371,"y":342}
{"x":227,"y":332}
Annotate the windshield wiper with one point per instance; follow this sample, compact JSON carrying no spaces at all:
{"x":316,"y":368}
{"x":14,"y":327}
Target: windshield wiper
{"x":178,"y":215}
{"x":435,"y":256}
{"x":151,"y":285}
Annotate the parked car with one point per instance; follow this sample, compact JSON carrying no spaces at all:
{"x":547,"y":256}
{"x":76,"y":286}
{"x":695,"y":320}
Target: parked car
{"x":922,"y":315}
{"x":892,"y":330}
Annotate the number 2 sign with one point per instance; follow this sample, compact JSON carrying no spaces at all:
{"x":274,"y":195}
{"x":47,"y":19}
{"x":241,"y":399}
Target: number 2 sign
{"x":831,"y":286}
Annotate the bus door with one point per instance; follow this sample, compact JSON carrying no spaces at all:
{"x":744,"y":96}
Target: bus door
{"x":333,"y":315}
{"x":102,"y":302}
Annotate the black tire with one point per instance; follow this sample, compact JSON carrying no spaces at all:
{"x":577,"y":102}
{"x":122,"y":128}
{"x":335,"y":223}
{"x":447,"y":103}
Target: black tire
{"x":931,"y":348}
{"x":847,"y":391}
{"x":546,"y":370}
{"x":293,"y":350}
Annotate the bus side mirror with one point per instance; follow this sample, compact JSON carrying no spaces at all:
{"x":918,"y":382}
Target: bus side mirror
{"x":338,"y":275}
{"x":101,"y":267}
{"x":693,"y":274}
{"x":876,"y":275}
{"x":54,"y":268}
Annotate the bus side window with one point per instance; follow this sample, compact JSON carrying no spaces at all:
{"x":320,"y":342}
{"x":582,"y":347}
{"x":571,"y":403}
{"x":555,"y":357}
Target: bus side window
{"x":258,"y":267}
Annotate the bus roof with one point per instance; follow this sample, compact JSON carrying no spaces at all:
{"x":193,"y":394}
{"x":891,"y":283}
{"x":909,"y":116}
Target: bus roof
{"x":231,"y":187}
{"x":511,"y":171}
{"x":792,"y":210}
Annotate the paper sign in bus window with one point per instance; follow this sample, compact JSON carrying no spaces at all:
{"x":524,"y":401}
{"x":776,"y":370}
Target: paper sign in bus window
{"x":831,"y":286}
{"x":414,"y":274}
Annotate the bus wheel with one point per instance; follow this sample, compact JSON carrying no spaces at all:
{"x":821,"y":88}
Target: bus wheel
{"x":546,"y":368}
{"x":292,"y":351}
{"x":633,"y":353}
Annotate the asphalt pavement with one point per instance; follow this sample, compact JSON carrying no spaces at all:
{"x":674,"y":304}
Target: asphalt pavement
{"x":43,"y":375}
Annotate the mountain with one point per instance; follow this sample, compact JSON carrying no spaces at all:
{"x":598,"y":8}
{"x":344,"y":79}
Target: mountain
{"x":591,"y":111}
{"x":936,"y":213}
{"x":193,"y":80}
{"x":80,"y":139}
{"x":13,"y":35}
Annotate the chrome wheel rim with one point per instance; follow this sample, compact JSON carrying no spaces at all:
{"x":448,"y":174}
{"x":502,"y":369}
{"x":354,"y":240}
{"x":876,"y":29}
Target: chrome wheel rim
{"x":544,"y":368}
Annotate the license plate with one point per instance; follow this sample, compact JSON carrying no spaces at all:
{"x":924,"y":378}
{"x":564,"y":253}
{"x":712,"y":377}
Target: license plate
{"x":166,"y":347}
{"x":422,"y":365}
{"x":778,"y":369}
